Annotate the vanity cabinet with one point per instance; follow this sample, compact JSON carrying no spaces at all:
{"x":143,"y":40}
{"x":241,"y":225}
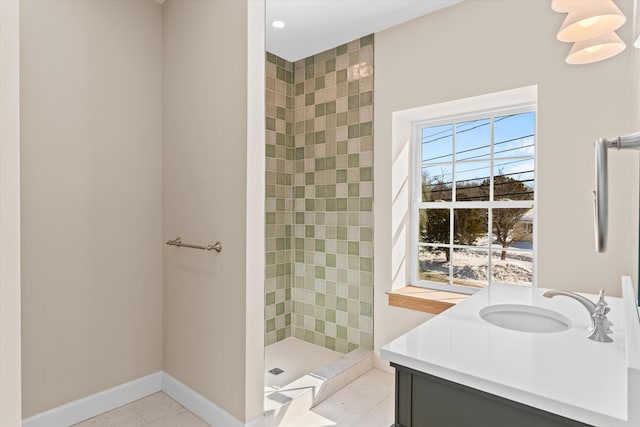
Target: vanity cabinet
{"x":423,"y":400}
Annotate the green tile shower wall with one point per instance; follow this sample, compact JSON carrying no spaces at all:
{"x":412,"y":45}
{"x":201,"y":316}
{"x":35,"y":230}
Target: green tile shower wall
{"x":327,"y":205}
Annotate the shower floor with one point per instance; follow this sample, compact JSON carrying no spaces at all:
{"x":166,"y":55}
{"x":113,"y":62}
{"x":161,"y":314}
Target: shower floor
{"x":296,"y":358}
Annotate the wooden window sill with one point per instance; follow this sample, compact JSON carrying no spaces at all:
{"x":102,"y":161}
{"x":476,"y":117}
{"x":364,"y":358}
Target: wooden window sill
{"x":426,"y":300}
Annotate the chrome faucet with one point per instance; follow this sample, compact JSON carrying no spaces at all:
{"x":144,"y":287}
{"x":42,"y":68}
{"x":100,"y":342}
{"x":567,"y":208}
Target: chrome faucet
{"x":600,"y":325}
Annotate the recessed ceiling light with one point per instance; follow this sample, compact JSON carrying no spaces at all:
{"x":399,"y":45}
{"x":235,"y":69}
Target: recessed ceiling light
{"x":277,"y":24}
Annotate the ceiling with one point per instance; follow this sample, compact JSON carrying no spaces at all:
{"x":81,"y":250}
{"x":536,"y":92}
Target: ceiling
{"x":313,"y":26}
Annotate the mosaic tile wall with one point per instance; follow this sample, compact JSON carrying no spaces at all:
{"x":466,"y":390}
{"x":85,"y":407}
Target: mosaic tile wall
{"x":331,"y":195}
{"x":279,"y":204}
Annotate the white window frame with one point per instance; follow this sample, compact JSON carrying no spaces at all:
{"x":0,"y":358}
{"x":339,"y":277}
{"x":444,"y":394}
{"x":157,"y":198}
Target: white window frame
{"x":417,"y":203}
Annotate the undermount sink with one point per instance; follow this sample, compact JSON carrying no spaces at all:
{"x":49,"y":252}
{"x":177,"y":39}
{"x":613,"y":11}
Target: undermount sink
{"x":525,"y":318}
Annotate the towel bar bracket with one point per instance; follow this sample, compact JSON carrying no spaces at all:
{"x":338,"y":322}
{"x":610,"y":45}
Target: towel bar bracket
{"x":217,"y":246}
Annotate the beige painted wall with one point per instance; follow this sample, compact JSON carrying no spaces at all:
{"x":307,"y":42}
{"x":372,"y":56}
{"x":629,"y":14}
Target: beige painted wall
{"x":213,"y":304}
{"x":479,"y":47}
{"x":10,"y":401}
{"x":91,"y":197}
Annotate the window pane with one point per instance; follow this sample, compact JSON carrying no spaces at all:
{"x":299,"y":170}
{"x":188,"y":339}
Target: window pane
{"x":509,"y":225}
{"x":437,"y":144}
{"x":470,"y":227}
{"x":473,"y":140}
{"x":513,"y":267}
{"x":470,"y":267}
{"x":434,"y":226}
{"x":472,"y":181}
{"x":437,"y":183}
{"x":514,"y":135}
{"x":433,"y":264}
{"x":514,"y":180}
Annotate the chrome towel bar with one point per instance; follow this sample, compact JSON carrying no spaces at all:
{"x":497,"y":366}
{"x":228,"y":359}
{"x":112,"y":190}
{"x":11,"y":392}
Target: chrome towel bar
{"x":177,"y":242}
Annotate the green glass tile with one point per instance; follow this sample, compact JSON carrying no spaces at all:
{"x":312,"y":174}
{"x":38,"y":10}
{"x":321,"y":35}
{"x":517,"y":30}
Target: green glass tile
{"x":365,"y":174}
{"x":341,"y":332}
{"x":280,"y":204}
{"x":280,"y":113}
{"x":341,"y":49}
{"x":366,"y":234}
{"x":330,"y":163}
{"x":279,"y":309}
{"x":290,"y":154}
{"x":271,"y":58}
{"x":270,"y":150}
{"x":319,"y":272}
{"x":310,"y":60}
{"x":280,"y":334}
{"x":351,"y":346}
{"x":366,"y":40}
{"x":309,"y":178}
{"x":330,"y":65}
{"x":330,"y":343}
{"x":299,"y":217}
{"x":321,"y":164}
{"x":270,"y":123}
{"x":320,"y":299}
{"x":341,"y":233}
{"x":320,"y":326}
{"x":330,"y":315}
{"x":289,"y":106}
{"x":309,"y":231}
{"x":354,"y":131}
{"x":288,"y":76}
{"x":366,"y":98}
{"x":320,"y":137}
{"x":299,"y":153}
{"x":366,"y":204}
{"x":341,"y":119}
{"x":308,"y":73}
{"x":353,"y":102}
{"x":279,"y":269}
{"x":365,"y":264}
{"x":366,"y":129}
{"x":354,"y":248}
{"x":270,"y":191}
{"x":271,"y":218}
{"x":354,"y":160}
{"x":320,"y":190}
{"x":309,"y":138}
{"x":271,"y":325}
{"x":341,"y":205}
{"x":280,"y":138}
{"x":298,"y":192}
{"x":280,"y":62}
{"x":299,"y":88}
{"x":330,"y":205}
{"x":320,"y":109}
{"x":341,"y":76}
{"x":270,"y":298}
{"x":320,"y":82}
{"x":319,"y":245}
{"x":330,"y":190}
{"x":341,"y":304}
{"x":299,"y":256}
{"x":341,"y":176}
{"x":353,"y":88}
{"x":309,"y":99}
{"x":353,"y":190}
{"x":308,"y":336}
{"x":330,"y":260}
{"x":330,"y":107}
{"x":280,"y":74}
{"x":287,"y":317}
{"x":309,"y":205}
{"x":280,"y":243}
{"x":365,"y":309}
{"x":270,"y":259}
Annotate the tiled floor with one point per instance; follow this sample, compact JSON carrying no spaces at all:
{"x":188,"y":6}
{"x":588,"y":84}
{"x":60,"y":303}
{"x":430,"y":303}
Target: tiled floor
{"x":157,"y":410}
{"x":366,"y":402}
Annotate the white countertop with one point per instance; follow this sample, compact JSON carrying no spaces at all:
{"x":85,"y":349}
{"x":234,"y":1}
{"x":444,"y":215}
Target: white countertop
{"x":564,"y":372}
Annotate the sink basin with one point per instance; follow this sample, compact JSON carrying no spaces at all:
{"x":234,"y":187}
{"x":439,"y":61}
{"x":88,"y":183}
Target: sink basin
{"x":525,"y":318}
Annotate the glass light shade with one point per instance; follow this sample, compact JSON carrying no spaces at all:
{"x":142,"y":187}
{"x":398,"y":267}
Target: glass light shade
{"x":566,"y":6}
{"x":596,"y":49}
{"x":593,"y":19}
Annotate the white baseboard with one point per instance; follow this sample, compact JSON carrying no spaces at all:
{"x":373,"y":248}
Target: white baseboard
{"x":90,"y":406}
{"x":104,"y":401}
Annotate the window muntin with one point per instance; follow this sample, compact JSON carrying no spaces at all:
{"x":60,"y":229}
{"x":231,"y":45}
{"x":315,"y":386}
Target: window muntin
{"x":474,"y":201}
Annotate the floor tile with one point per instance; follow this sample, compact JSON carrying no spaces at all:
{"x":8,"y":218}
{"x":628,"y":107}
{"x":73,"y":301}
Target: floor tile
{"x":183,"y":418}
{"x":156,"y":406}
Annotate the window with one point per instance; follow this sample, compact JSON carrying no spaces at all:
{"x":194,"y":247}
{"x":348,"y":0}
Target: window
{"x":474,"y":200}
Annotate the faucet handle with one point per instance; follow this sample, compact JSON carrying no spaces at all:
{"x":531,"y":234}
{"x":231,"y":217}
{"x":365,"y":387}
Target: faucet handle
{"x":601,"y":325}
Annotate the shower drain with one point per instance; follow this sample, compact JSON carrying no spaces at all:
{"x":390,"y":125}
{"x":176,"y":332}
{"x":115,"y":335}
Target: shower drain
{"x":276,"y":371}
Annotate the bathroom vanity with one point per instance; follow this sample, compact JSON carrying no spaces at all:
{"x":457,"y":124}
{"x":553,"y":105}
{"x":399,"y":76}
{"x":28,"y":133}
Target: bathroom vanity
{"x":459,"y":370}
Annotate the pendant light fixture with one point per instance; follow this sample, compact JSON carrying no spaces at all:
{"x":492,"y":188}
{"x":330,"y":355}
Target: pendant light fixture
{"x":591,"y":26}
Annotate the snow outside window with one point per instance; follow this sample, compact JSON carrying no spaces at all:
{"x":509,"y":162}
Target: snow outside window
{"x":474,"y":200}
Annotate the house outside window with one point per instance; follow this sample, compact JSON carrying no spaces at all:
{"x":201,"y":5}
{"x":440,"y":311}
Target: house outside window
{"x":473,"y":204}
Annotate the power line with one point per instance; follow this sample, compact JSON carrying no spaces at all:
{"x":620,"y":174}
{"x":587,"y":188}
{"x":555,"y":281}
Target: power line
{"x":462,"y":131}
{"x":484,"y":146}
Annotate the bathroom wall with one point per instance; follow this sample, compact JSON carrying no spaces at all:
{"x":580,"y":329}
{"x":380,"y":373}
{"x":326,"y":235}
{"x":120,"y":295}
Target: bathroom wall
{"x":451,"y":55}
{"x":91,"y":197}
{"x":213,"y":190}
{"x":320,"y":197}
{"x":280,"y":146}
{"x":10,"y":387}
